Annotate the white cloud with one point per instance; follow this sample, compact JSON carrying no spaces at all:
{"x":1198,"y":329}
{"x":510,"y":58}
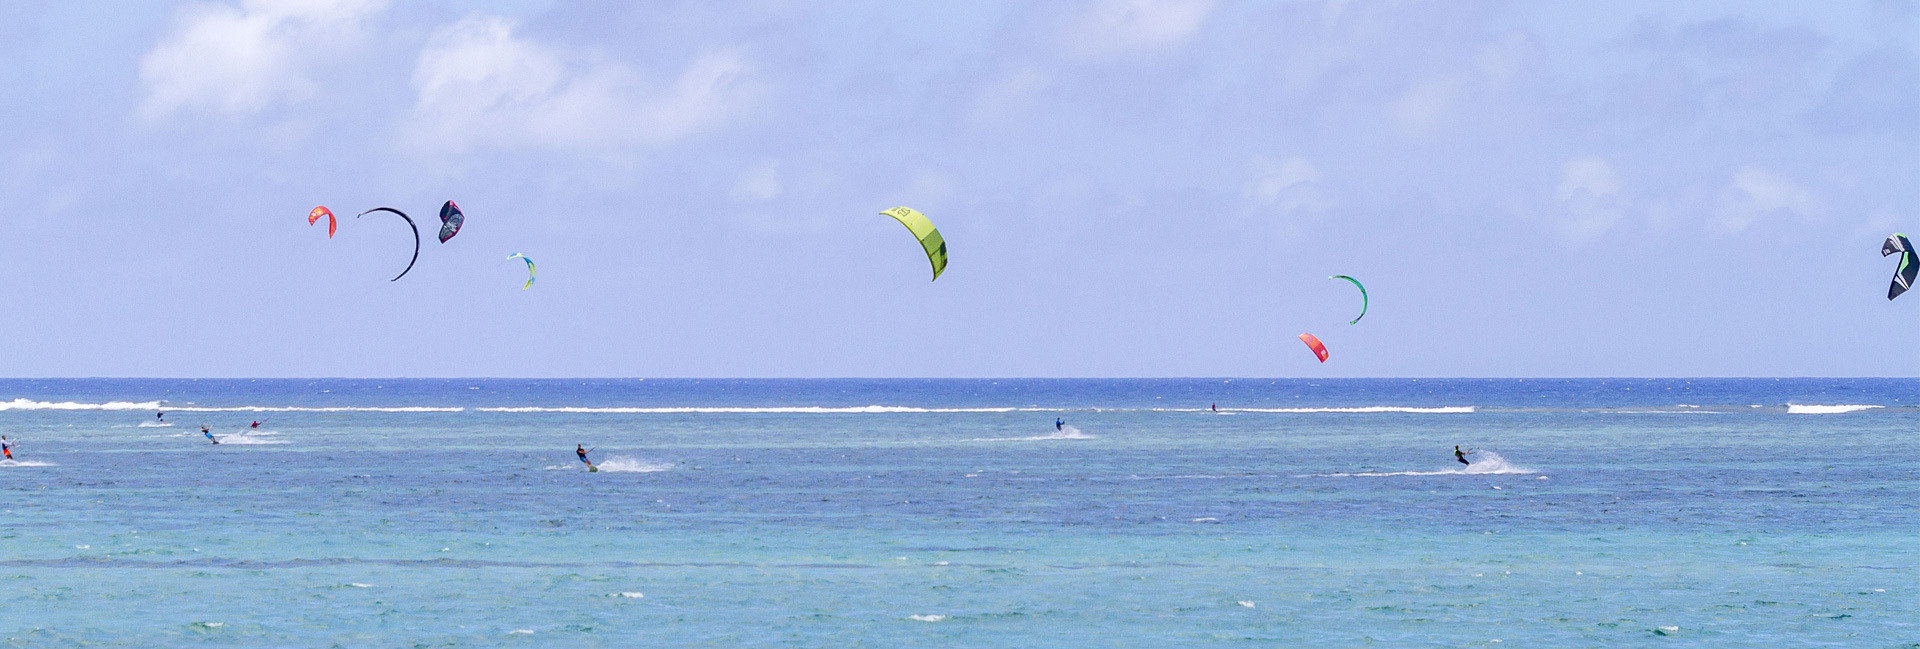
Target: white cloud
{"x":1290,"y":185}
{"x":1756,"y":193}
{"x":1590,"y":198}
{"x":480,"y":85}
{"x":238,"y":61}
{"x":1421,"y":107}
{"x":1121,"y":27}
{"x":759,"y":183}
{"x":1009,"y":97}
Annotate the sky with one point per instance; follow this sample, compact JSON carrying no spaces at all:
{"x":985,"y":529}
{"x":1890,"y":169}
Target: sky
{"x":1127,"y":188}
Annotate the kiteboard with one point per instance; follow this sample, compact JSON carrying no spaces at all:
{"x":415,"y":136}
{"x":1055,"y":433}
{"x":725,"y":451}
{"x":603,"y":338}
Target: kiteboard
{"x":592,"y":469}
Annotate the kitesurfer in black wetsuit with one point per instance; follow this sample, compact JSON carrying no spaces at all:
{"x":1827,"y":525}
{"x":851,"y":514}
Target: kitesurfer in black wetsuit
{"x":581,"y":450}
{"x":1461,"y":455}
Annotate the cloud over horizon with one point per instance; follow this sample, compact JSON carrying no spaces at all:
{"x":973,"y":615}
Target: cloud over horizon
{"x":1172,"y":176}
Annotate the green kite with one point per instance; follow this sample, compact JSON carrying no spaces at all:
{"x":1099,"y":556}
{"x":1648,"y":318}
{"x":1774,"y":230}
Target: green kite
{"x":530,"y":273}
{"x":923,"y":230}
{"x":1363,"y":296}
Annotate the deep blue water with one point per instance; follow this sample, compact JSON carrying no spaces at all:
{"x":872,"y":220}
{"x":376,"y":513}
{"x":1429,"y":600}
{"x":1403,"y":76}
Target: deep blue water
{"x":889,"y":513}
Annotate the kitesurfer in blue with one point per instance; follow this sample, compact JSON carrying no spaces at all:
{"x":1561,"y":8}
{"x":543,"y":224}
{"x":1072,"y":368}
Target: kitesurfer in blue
{"x":1059,"y":424}
{"x":209,"y":433}
{"x":1461,"y":455}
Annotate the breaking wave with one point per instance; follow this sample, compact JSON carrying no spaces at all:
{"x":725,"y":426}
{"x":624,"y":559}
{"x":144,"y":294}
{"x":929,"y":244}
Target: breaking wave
{"x":29,"y":404}
{"x":1797,"y":409}
{"x":825,"y":410}
{"x":1439,"y":410}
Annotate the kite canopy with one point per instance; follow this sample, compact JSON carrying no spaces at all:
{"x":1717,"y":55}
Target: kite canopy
{"x":530,"y":273}
{"x":929,"y":236}
{"x":323,"y":211}
{"x":450,"y":220}
{"x":1909,"y":264}
{"x":1314,"y":344}
{"x":1363,"y":297}
{"x":416,"y":237}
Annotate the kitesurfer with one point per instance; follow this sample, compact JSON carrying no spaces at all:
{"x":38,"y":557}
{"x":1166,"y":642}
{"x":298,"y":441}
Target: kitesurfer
{"x":209,"y":433}
{"x":160,"y":416}
{"x":1461,"y":455}
{"x":1059,"y":424}
{"x":6,"y":447}
{"x":1214,"y":407}
{"x":256,"y":425}
{"x":582,"y":451}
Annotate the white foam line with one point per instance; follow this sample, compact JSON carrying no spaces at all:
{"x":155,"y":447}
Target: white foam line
{"x":310,"y":409}
{"x":1797,"y":409}
{"x":28,"y":404}
{"x":802,"y":410}
{"x":1444,"y":410}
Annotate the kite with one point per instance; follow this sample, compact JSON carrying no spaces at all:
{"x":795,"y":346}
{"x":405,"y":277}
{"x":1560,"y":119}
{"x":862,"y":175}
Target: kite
{"x":530,"y":273}
{"x":923,"y":230}
{"x":1314,"y":344}
{"x":331,"y":223}
{"x":416,"y":237}
{"x":1909,"y":264}
{"x":450,"y":220}
{"x":1363,"y":296}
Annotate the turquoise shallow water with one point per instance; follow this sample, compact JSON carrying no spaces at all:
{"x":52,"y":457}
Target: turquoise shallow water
{"x":1721,"y":513}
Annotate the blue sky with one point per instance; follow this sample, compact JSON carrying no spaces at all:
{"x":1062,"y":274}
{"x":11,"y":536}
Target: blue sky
{"x":1128,"y":187}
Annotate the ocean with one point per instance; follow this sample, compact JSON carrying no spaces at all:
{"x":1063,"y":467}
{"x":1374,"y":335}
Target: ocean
{"x":954,"y":513}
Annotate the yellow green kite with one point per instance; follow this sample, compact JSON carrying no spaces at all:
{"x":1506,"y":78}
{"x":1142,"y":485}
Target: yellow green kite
{"x":530,"y":273}
{"x":923,"y":230}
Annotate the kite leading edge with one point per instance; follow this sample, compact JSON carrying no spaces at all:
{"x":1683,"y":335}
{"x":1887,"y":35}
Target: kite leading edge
{"x":530,"y":273}
{"x":1314,"y":344}
{"x":1903,"y":275}
{"x":416,"y":237}
{"x":922,"y":229}
{"x":1363,"y":296}
{"x":323,"y":211}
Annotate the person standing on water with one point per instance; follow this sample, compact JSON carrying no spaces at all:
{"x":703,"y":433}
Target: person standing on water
{"x":6,"y":447}
{"x":582,"y":451}
{"x":1059,"y":424}
{"x":162,"y":416}
{"x":1461,"y":455}
{"x":209,"y":433}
